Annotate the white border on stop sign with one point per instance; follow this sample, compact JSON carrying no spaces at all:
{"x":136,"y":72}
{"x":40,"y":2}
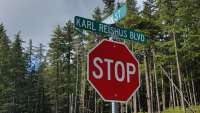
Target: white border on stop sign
{"x":95,"y":87}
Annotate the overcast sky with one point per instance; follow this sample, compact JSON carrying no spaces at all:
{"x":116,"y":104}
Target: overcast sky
{"x":36,"y":19}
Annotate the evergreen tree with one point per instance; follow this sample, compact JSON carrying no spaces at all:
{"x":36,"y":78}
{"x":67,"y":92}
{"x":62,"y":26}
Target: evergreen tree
{"x":5,"y":75}
{"x":68,"y":67}
{"x":108,"y":8}
{"x":97,"y":14}
{"x":68,"y":32}
{"x":61,"y":56}
{"x":132,"y":8}
{"x":33,"y":83}
{"x":170,"y":21}
{"x":18,"y":71}
{"x":55,"y":54}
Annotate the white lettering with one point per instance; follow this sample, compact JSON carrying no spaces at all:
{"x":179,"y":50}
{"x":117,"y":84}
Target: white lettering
{"x":117,"y":76}
{"x":93,"y":27}
{"x":100,"y":75}
{"x":100,"y":27}
{"x":121,"y":71}
{"x":109,"y":61}
{"x":129,"y":71}
{"x":84,"y":24}
{"x":89,"y":25}
{"x":78,"y":22}
{"x":142,"y":38}
{"x":105,"y":28}
{"x":131,"y":35}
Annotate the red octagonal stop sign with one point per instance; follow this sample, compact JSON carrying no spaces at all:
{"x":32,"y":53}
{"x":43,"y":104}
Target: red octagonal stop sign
{"x":113,"y":71}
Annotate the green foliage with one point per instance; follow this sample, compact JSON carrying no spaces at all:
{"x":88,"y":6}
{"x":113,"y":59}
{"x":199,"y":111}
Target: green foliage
{"x":18,"y":74}
{"x":132,"y":8}
{"x":178,"y":110}
{"x":55,"y":86}
{"x":109,"y":6}
{"x":5,"y":75}
{"x":97,"y":14}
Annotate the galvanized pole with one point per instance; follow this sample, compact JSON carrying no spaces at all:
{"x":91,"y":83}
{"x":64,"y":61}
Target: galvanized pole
{"x":115,"y":107}
{"x":114,"y":104}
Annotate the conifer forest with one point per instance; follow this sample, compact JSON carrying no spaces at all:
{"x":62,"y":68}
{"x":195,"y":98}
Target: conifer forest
{"x":53,"y":78}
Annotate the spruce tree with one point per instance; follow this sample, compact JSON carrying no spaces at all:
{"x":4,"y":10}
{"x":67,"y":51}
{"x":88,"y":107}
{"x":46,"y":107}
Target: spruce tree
{"x":18,"y":70}
{"x":132,"y":6}
{"x":108,"y":7}
{"x":97,"y":14}
{"x":5,"y":75}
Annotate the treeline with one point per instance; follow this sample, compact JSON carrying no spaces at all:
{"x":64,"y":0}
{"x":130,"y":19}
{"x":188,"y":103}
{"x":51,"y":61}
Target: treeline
{"x":35,"y":80}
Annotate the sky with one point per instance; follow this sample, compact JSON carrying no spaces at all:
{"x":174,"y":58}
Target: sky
{"x":36,"y":19}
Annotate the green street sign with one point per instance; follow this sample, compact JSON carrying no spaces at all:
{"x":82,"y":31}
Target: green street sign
{"x":109,"y":30}
{"x":116,"y":15}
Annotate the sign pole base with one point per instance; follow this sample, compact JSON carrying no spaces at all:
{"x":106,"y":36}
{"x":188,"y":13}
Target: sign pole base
{"x":114,"y":107}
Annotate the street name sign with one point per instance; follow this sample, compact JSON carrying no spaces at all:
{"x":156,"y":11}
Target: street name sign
{"x":113,"y":71}
{"x":116,"y":15}
{"x":109,"y":30}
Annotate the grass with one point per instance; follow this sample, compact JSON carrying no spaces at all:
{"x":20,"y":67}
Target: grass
{"x":178,"y":110}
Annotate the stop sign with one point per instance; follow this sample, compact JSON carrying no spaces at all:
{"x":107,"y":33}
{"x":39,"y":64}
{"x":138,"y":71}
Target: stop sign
{"x":113,"y":71}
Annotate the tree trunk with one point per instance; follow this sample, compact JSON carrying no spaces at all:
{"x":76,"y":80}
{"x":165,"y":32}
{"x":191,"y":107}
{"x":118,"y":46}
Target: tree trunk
{"x":179,"y":73}
{"x":177,"y":98}
{"x":185,"y":88}
{"x":147,"y":85}
{"x":177,"y":90}
{"x":139,"y":103}
{"x":77,"y":74}
{"x":82,"y":90}
{"x":132,"y":105}
{"x":156,"y":83}
{"x":190,"y":93}
{"x":70,"y":103}
{"x":149,"y":62}
{"x":173,"y":94}
{"x":122,"y":108}
{"x":95,"y":102}
{"x":88,"y":102}
{"x":57,"y":83}
{"x":101,"y":107}
{"x":151,"y":88}
{"x":193,"y":91}
{"x":170,"y":95}
{"x":13,"y":102}
{"x":163,"y":93}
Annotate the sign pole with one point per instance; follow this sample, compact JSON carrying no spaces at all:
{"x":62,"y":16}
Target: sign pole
{"x":105,"y":75}
{"x":114,"y":104}
{"x":114,"y":107}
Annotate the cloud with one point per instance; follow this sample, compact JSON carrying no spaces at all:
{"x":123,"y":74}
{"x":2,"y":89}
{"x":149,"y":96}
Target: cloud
{"x":37,"y":18}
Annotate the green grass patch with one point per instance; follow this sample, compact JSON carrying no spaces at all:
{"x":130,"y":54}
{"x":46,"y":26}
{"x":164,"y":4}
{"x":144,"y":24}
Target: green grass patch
{"x":179,"y":110}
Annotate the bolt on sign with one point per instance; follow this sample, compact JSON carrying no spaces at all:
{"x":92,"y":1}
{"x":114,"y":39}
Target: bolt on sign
{"x":113,"y":71}
{"x":109,"y":30}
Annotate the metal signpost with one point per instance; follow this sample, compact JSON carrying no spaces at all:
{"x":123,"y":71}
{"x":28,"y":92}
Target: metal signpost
{"x":114,"y":75}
